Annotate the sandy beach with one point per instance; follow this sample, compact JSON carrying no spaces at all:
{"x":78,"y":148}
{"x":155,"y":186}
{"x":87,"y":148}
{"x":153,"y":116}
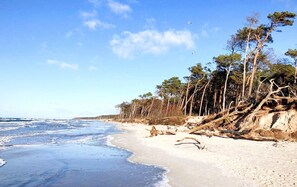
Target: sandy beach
{"x":223,"y":162}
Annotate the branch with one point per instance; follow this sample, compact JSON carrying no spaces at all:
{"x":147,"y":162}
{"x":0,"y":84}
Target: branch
{"x":211,"y":123}
{"x":197,"y":143}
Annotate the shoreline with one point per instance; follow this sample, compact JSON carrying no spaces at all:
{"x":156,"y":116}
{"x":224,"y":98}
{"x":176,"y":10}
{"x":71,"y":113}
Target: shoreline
{"x":224,"y":161}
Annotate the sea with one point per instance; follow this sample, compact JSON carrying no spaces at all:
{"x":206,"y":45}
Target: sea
{"x":48,"y":152}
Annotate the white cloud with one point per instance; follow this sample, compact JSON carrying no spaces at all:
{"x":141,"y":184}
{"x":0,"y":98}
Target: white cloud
{"x":94,"y":23}
{"x":150,"y":42}
{"x":91,"y":24}
{"x":119,"y":8}
{"x":91,"y":21}
{"x":62,"y":65}
{"x":87,"y":15}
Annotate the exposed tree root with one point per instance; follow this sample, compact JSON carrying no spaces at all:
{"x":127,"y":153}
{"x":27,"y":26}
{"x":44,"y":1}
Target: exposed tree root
{"x":241,"y":122}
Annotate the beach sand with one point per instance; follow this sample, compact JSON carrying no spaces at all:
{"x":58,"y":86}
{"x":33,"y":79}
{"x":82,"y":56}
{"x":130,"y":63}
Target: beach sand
{"x":223,"y":162}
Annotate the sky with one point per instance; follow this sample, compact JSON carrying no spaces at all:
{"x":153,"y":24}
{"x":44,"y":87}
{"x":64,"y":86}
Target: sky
{"x":69,"y":58}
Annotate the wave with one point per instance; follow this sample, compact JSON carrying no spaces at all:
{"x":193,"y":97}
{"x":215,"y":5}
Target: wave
{"x":15,"y":119}
{"x":8,"y":128}
{"x":2,"y":162}
{"x":4,"y":140}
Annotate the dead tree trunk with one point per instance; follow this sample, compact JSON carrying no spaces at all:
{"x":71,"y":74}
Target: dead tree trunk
{"x":202,"y":97}
{"x":150,"y":109}
{"x":186,"y":96}
{"x":254,"y":70}
{"x":167,"y":107}
{"x":225,"y":87}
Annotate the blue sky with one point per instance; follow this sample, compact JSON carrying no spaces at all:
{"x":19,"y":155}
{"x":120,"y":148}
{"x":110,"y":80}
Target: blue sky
{"x":67,"y":58}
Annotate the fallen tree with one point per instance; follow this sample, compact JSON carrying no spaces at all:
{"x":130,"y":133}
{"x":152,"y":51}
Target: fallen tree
{"x":243,"y":121}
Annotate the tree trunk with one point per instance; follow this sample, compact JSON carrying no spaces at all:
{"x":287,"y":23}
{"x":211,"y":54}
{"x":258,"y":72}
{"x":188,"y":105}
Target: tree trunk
{"x":295,"y":73}
{"x":192,"y":100}
{"x":244,"y":76}
{"x":246,"y":56}
{"x":167,"y":108}
{"x":225,"y":87}
{"x":206,"y":107}
{"x":142,"y":111}
{"x":214,"y":100}
{"x":258,"y":50}
{"x":181,"y":103}
{"x":162,"y":103}
{"x":150,"y":109}
{"x":187,"y":93}
{"x":254,"y":70}
{"x":202,"y":97}
{"x":193,"y":94}
{"x":220,"y":97}
{"x":191,"y":106}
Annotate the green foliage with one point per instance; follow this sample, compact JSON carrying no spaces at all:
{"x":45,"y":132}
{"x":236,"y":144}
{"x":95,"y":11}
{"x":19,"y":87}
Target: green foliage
{"x":146,"y":95}
{"x":197,"y":71}
{"x":281,"y":18}
{"x":224,"y":61}
{"x":282,"y":69}
{"x":293,"y":54}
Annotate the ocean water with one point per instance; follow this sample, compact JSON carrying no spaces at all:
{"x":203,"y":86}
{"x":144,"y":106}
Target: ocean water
{"x":67,"y":153}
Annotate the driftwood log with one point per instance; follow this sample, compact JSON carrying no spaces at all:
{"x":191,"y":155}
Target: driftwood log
{"x":155,"y":132}
{"x":196,"y":142}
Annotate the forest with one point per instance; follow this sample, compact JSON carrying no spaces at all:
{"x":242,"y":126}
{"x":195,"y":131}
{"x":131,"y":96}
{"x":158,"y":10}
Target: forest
{"x":247,"y":80}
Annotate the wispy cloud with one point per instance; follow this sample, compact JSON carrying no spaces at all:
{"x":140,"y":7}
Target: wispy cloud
{"x":92,"y":68}
{"x":88,"y":14}
{"x":91,"y":21}
{"x":119,"y":8}
{"x":95,"y":3}
{"x":150,"y":42}
{"x":94,"y":23}
{"x":215,"y":29}
{"x":44,"y":46}
{"x":68,"y":34}
{"x":62,"y":64}
{"x":206,"y":30}
{"x":150,"y":23}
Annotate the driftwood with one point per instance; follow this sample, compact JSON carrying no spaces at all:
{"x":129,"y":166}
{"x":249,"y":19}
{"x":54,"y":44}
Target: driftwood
{"x":155,"y":132}
{"x":236,"y":133}
{"x":215,"y":121}
{"x":168,"y":133}
{"x":267,"y":98}
{"x":196,"y":142}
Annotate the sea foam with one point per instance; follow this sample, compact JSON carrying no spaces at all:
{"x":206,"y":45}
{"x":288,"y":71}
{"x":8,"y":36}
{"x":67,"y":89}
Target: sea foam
{"x":2,"y":162}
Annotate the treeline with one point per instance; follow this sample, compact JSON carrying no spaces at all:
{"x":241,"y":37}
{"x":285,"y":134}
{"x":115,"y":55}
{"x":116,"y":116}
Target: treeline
{"x":245,"y":74}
